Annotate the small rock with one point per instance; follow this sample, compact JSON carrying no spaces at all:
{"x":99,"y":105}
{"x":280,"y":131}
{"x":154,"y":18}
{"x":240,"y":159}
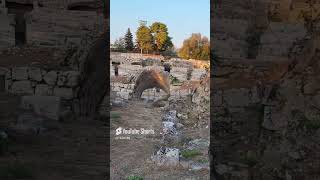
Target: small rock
{"x":199,"y":166}
{"x":180,"y":126}
{"x":168,"y":128}
{"x":166,"y":157}
{"x":19,"y":73}
{"x":198,"y":144}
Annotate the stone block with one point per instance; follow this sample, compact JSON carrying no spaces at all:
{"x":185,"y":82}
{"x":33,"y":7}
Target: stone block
{"x":20,"y":73}
{"x":72,"y":78}
{"x":21,"y":87}
{"x":43,"y":90}
{"x":51,"y":77}
{"x":62,"y":79}
{"x":35,"y":74}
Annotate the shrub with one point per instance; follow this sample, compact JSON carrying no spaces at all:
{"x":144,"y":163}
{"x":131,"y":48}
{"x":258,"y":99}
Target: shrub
{"x":134,"y":178}
{"x":190,"y":153}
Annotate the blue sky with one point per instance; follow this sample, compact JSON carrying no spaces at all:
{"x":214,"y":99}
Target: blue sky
{"x":182,"y":17}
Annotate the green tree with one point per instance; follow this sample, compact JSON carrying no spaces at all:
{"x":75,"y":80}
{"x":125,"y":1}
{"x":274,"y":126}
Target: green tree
{"x":161,"y":36}
{"x":195,"y":47}
{"x":144,"y":38}
{"x":128,"y":41}
{"x":119,"y":44}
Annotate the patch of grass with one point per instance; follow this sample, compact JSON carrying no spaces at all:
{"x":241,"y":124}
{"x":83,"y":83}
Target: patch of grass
{"x":190,"y":153}
{"x":135,"y":178}
{"x":114,"y":115}
{"x":15,"y":171}
{"x":174,"y":80}
{"x":203,"y":161}
{"x":312,"y":124}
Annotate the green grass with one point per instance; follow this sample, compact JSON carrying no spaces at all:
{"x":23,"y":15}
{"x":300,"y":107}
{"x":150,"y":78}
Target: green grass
{"x":114,"y":115}
{"x":190,"y":153}
{"x":134,"y":178}
{"x":15,"y":171}
{"x":203,"y":161}
{"x":174,"y":80}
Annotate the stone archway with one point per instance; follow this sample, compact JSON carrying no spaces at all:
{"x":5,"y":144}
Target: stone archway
{"x":94,"y":78}
{"x":151,"y":79}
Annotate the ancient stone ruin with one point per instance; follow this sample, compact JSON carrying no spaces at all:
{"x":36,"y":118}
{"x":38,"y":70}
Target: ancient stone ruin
{"x":183,"y":99}
{"x":265,"y":96}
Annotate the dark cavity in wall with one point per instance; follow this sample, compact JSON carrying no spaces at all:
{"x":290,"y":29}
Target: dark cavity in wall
{"x":81,"y":8}
{"x":19,"y":10}
{"x":2,"y":83}
{"x":20,"y":30}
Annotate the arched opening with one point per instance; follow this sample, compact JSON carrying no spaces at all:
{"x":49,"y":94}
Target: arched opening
{"x":149,"y":79}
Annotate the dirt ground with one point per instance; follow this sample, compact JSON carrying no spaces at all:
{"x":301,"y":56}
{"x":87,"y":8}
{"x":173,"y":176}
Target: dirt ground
{"x":74,"y":150}
{"x":132,"y":157}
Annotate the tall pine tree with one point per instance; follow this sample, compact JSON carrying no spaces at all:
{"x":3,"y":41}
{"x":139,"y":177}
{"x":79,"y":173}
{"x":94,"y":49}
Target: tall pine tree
{"x":128,"y":41}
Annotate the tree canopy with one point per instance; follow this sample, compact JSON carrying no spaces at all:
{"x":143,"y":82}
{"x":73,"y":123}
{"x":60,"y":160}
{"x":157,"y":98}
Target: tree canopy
{"x":161,"y":36}
{"x":144,"y":38}
{"x":128,"y":41}
{"x":195,"y":47}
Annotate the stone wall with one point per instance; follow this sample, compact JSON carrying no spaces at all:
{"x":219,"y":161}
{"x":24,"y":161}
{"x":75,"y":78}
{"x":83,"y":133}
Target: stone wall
{"x":52,"y":27}
{"x":42,"y":82}
{"x":265,"y":111}
{"x":7,"y":30}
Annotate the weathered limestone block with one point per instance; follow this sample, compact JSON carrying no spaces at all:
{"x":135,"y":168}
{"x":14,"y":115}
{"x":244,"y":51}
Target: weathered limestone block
{"x":65,"y":93}
{"x":51,"y":78}
{"x":43,"y":90}
{"x":20,"y":73}
{"x":48,"y":106}
{"x":35,"y":74}
{"x":21,"y":87}
{"x":124,"y":95}
{"x":237,"y":97}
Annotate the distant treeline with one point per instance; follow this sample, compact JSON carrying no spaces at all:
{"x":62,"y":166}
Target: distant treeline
{"x":155,"y":39}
